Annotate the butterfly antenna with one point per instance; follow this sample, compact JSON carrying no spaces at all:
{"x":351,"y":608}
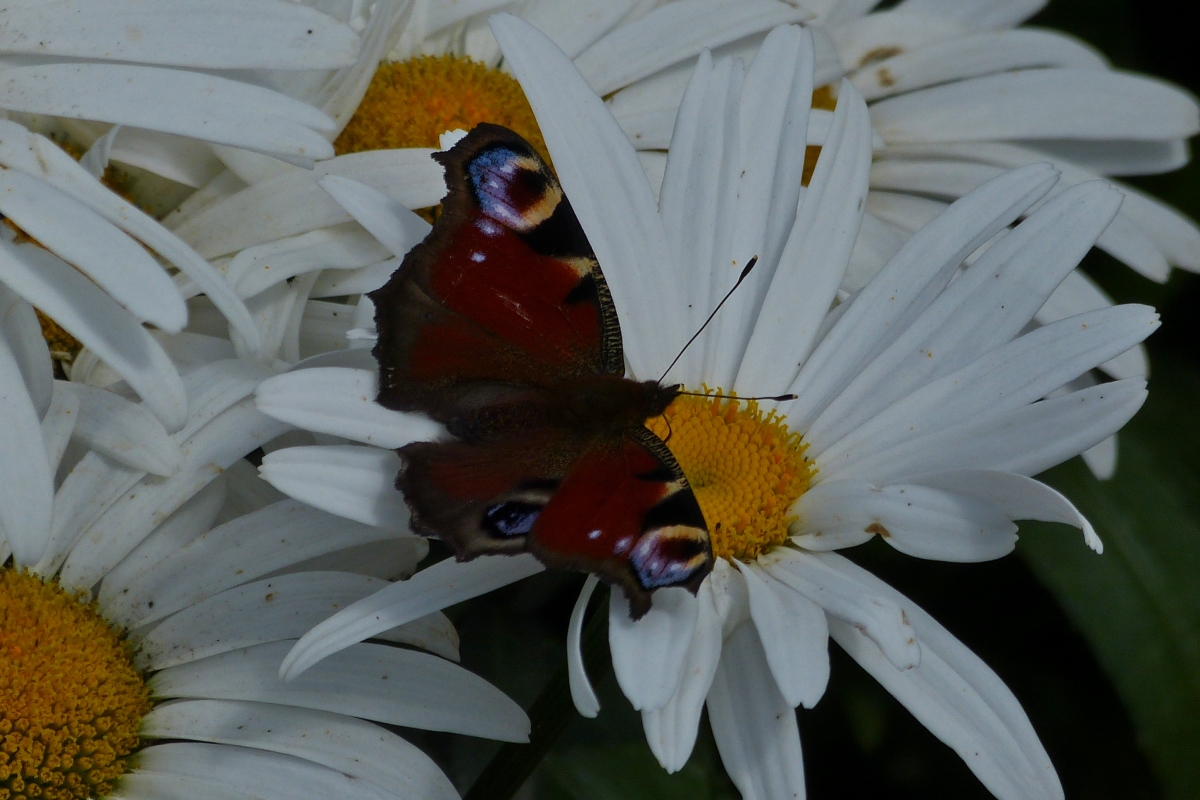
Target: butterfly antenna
{"x":745,"y":271}
{"x":778,"y":398}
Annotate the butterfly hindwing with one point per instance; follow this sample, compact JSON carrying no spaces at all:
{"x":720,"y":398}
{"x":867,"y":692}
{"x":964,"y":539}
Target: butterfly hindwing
{"x":505,"y":290}
{"x":619,"y":507}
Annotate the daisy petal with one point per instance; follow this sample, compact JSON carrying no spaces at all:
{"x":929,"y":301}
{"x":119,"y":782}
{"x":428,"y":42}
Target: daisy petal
{"x":283,"y":607}
{"x":432,"y":589}
{"x":582,"y":693}
{"x":920,"y":521}
{"x":817,"y":252}
{"x":955,"y":696}
{"x":671,"y":730}
{"x":640,"y":48}
{"x":341,"y":402}
{"x":357,"y":483}
{"x":345,"y":744}
{"x":186,"y":103}
{"x":1120,"y":157}
{"x":1026,"y":441}
{"x":292,"y":202}
{"x":881,"y":618}
{"x":794,"y":636}
{"x":341,"y":247}
{"x":26,"y":483}
{"x":59,"y":422}
{"x":424,"y":691}
{"x":1101,"y":459}
{"x":610,"y":195}
{"x":1039,"y":104}
{"x":576,"y":27}
{"x":978,"y":14}
{"x":648,"y":655}
{"x":1005,"y":379}
{"x":754,"y":726}
{"x":386,"y":219}
{"x":95,"y":319}
{"x":19,"y":326}
{"x":1017,"y":496}
{"x":268,"y":540}
{"x":970,"y":56}
{"x":210,"y":770}
{"x":218,"y":34}
{"x":124,"y":431}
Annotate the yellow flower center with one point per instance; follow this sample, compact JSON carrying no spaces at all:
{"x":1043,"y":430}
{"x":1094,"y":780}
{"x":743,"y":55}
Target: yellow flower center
{"x":745,"y":467}
{"x":70,"y":700}
{"x":411,"y":103}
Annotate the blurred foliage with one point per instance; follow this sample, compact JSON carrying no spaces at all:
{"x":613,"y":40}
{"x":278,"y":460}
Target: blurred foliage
{"x":1103,"y":651}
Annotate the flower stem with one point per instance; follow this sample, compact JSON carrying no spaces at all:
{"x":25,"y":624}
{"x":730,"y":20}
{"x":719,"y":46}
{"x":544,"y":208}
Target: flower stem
{"x":549,"y":715}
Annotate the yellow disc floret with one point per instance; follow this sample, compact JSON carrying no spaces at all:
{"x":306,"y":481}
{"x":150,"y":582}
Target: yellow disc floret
{"x":745,"y":467}
{"x":70,"y":700}
{"x":411,"y":103}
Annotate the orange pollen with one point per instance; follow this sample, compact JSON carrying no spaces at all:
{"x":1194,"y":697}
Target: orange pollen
{"x":411,"y":103}
{"x":824,"y":99}
{"x":71,"y":702}
{"x":745,"y":467}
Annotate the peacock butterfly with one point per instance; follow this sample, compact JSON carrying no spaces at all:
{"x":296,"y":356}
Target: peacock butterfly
{"x":500,"y":326}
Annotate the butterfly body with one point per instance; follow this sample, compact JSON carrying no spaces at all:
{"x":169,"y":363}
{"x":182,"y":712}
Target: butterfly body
{"x":500,"y":326}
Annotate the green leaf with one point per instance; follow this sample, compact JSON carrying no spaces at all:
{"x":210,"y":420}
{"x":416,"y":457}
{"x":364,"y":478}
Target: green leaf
{"x":1138,"y":604}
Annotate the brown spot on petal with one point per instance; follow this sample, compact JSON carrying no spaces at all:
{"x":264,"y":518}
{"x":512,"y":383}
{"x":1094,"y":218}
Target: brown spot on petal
{"x":875,"y":527}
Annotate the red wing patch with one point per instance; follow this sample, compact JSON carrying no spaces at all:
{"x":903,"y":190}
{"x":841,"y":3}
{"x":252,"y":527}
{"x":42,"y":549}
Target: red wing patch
{"x":505,"y":289}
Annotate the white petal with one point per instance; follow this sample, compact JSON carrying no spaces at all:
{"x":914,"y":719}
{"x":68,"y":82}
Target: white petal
{"x":110,"y":258}
{"x":26,"y":482}
{"x":649,"y":655}
{"x":432,"y":589}
{"x":917,"y":520}
{"x":293,"y":202}
{"x":124,"y":431}
{"x":754,"y":726}
{"x":268,"y":540}
{"x":575,"y":27}
{"x":969,"y":56}
{"x":1101,"y":459}
{"x":215,"y":387}
{"x":39,"y":157}
{"x":1027,"y":441}
{"x":956,"y":696}
{"x":671,"y":730}
{"x":386,"y":219}
{"x":357,"y":483}
{"x":978,"y":14}
{"x":1017,"y":496}
{"x":59,"y":423}
{"x":220,"y":34}
{"x":341,"y":402}
{"x":350,"y":746}
{"x":186,"y":103}
{"x":816,"y":255}
{"x":210,"y":770}
{"x":1119,"y":157}
{"x":908,"y":283}
{"x":20,"y":327}
{"x":672,"y":33}
{"x":1039,"y":104}
{"x":190,"y":520}
{"x":862,"y":40}
{"x":602,"y":176}
{"x":582,"y":694}
{"x":881,"y":618}
{"x":377,"y":682}
{"x":1003,"y":380}
{"x":95,"y":319}
{"x":283,"y":607}
{"x":339,"y":283}
{"x":341,"y":247}
{"x":794,"y":636}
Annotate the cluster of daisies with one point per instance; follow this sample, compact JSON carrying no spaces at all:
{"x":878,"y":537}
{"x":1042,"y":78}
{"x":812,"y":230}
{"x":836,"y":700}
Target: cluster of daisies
{"x":198,"y":194}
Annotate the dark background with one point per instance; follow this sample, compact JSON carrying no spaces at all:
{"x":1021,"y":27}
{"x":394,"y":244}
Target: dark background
{"x":1060,"y":625}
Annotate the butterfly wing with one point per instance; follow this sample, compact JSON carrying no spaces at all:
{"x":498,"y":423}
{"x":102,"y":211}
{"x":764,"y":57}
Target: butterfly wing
{"x":620,"y":508}
{"x":504,"y":292}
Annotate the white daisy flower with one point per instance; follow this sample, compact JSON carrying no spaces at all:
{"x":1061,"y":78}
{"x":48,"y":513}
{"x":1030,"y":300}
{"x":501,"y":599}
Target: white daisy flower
{"x":149,"y":592}
{"x":154,"y":86}
{"x":924,"y":403}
